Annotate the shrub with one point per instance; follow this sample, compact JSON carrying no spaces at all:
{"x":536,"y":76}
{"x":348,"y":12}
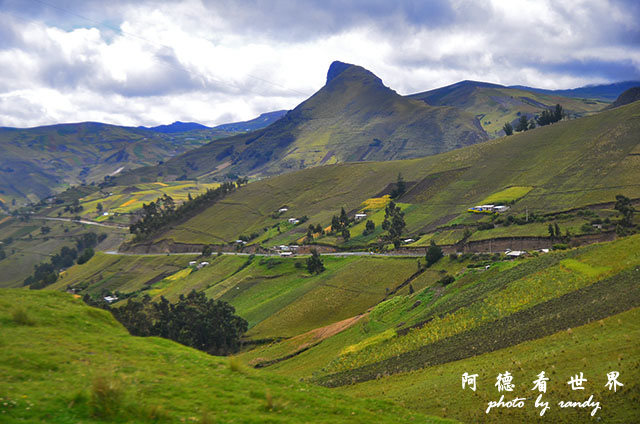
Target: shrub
{"x":236,"y":365}
{"x":446,"y":280}
{"x":560,"y":246}
{"x":107,"y":396}
{"x":21,"y":317}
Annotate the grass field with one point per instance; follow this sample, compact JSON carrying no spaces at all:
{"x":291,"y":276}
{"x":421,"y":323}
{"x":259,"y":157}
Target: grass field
{"x":62,"y":361}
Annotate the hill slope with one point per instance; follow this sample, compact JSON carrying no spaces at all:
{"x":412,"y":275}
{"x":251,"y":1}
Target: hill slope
{"x":629,"y":96}
{"x":495,"y":104}
{"x":354,"y":117}
{"x":264,"y":120}
{"x":562,"y":166}
{"x":62,"y":361}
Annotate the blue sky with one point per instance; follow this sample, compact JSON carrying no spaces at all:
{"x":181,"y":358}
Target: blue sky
{"x":152,"y":62}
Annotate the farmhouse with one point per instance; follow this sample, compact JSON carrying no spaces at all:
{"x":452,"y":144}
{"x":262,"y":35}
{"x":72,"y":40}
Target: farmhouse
{"x":293,"y":221}
{"x":192,"y":263}
{"x":110,"y":299}
{"x":488,"y":209}
{"x":202,"y":265}
{"x":283,"y":209}
{"x":360,"y":216}
{"x":286,"y":253}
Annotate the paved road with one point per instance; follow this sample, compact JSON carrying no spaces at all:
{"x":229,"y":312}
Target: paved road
{"x":113,"y":252}
{"x":82,"y":221}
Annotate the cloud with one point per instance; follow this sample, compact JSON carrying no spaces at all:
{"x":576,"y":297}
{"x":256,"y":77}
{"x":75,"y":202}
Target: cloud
{"x":151,"y":62}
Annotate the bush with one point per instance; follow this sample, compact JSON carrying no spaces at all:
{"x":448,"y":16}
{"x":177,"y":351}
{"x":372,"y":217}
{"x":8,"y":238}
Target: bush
{"x":107,"y":396}
{"x":21,"y":317}
{"x":434,"y":253}
{"x":560,"y":246}
{"x":446,"y":280}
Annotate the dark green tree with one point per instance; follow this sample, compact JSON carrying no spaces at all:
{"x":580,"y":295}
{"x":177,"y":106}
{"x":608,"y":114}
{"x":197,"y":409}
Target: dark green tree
{"x":523,"y":124}
{"x":507,"y":128}
{"x":206,"y":250}
{"x":626,"y":209}
{"x":314,"y":263}
{"x":400,"y":187}
{"x":369,"y":228}
{"x":433,"y":255}
{"x":551,"y":231}
{"x":346,"y":234}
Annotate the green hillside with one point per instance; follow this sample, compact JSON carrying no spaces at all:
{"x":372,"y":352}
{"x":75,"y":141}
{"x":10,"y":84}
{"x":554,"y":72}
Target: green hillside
{"x":62,"y":361}
{"x":354,"y":117}
{"x":494,"y":104}
{"x":560,"y":167}
{"x":37,"y":162}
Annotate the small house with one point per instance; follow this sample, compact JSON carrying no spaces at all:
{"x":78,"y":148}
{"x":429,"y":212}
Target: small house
{"x":110,"y":299}
{"x":283,"y":247}
{"x":293,"y":221}
{"x":500,"y":209}
{"x":202,"y":265}
{"x":281,"y":210}
{"x":360,"y":216}
{"x":409,"y":240}
{"x":286,"y":254}
{"x":192,"y":263}
{"x":512,"y":254}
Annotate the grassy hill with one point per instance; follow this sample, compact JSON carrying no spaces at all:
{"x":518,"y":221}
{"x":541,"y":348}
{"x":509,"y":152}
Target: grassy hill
{"x":494,"y":105}
{"x":560,"y":167}
{"x":354,"y":117}
{"x":37,"y":162}
{"x":62,"y":361}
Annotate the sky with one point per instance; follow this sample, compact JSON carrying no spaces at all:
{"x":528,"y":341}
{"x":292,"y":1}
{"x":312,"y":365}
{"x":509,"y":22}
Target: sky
{"x":139,"y":62}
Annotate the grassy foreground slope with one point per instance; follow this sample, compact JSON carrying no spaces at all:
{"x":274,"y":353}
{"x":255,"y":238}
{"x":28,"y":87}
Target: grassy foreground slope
{"x":64,"y":362}
{"x":566,"y":165}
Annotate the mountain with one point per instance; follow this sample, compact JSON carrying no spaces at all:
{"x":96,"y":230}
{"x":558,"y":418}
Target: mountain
{"x":629,"y":96}
{"x":264,"y":120}
{"x":37,"y":162}
{"x":604,"y":92}
{"x":494,"y":105}
{"x":354,"y":117}
{"x":177,"y":127}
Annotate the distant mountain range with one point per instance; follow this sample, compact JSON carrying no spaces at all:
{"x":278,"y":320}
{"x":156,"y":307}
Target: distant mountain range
{"x":261,"y":121}
{"x":606,"y":92}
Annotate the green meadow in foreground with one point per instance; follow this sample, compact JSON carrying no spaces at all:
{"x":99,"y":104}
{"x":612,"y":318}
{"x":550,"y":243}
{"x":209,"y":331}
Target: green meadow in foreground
{"x":64,"y":362}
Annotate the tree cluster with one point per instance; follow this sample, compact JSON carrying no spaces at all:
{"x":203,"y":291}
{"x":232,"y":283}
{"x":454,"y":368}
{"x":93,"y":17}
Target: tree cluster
{"x":524,"y":124}
{"x":163,"y":212}
{"x":314,"y":263}
{"x":624,"y":206}
{"x":393,"y":223}
{"x":340,"y":223}
{"x":550,"y":116}
{"x":369,"y":228}
{"x":433,"y":255}
{"x":196,"y":321}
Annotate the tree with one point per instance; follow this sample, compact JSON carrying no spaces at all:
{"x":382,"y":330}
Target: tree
{"x":507,"y":128}
{"x":523,"y":124}
{"x":344,"y":219}
{"x":314,"y":263}
{"x":393,"y":223}
{"x":99,"y":207}
{"x":558,"y":113}
{"x":532,"y":124}
{"x":557,"y":230}
{"x":346,"y":234}
{"x":411,"y":290}
{"x":85,"y":255}
{"x":434,"y":253}
{"x":551,"y":231}
{"x":206,"y":250}
{"x":369,"y":228}
{"x":626,"y":209}
{"x":400,"y":187}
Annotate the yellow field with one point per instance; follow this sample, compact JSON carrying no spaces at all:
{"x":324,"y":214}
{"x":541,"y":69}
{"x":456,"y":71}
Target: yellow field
{"x":376,"y":202}
{"x":129,"y":202}
{"x":507,"y":195}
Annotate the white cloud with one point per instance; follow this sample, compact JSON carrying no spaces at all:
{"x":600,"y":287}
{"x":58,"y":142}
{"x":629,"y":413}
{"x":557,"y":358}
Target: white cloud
{"x":214,"y":61}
